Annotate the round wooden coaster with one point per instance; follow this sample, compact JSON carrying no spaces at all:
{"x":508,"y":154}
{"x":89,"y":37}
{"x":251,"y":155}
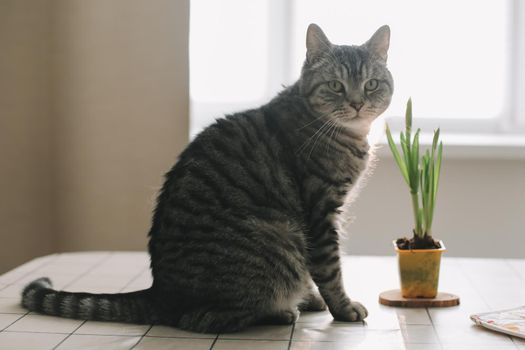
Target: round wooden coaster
{"x":394,"y":298}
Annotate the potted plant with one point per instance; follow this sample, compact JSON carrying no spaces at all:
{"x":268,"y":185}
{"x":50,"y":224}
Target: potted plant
{"x":419,"y":257}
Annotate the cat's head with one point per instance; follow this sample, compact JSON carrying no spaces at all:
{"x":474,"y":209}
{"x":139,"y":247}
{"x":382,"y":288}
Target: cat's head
{"x":349,"y":84}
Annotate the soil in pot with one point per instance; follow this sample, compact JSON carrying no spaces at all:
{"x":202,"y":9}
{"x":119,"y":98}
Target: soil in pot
{"x":417,"y":243}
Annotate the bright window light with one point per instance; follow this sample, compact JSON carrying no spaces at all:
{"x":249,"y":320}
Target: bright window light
{"x":450,"y":56}
{"x":228,"y":50}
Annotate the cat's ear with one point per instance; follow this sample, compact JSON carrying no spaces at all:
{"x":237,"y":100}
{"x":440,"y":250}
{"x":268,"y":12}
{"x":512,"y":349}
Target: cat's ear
{"x":379,"y":43}
{"x":316,"y":42}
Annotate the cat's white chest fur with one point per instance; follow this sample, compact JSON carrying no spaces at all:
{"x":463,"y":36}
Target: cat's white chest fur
{"x":365,"y":166}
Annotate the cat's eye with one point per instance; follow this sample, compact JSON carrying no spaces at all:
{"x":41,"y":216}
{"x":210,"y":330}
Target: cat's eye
{"x":371,"y":85}
{"x":336,"y":86}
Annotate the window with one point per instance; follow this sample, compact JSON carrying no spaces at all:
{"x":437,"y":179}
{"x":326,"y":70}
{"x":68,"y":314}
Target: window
{"x":229,"y":54}
{"x":458,"y":60}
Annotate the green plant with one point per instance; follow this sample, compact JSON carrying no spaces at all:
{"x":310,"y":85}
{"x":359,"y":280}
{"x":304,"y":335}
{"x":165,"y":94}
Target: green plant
{"x":420,"y":173}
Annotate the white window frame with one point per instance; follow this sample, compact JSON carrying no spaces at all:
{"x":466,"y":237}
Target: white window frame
{"x":506,"y":129}
{"x":511,"y":120}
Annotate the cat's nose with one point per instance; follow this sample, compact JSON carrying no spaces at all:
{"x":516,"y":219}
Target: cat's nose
{"x":357,"y":105}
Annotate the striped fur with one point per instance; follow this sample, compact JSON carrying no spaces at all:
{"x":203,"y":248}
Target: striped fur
{"x":133,"y":307}
{"x":244,"y":230}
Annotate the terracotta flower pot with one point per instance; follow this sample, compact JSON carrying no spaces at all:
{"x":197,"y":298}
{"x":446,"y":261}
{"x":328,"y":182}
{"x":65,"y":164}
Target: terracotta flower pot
{"x":419,"y":271}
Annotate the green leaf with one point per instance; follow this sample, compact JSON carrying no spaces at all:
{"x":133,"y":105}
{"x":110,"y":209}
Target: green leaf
{"x":417,"y":214}
{"x":397,"y":157}
{"x":406,"y":155}
{"x":402,"y":140}
{"x":420,"y":171}
{"x":435,"y":140}
{"x":420,"y":220}
{"x":430,"y":189}
{"x":408,"y":124}
{"x":426,"y":166}
{"x":414,"y":162}
{"x":408,"y":116}
{"x":437,"y":169}
{"x":431,"y":197}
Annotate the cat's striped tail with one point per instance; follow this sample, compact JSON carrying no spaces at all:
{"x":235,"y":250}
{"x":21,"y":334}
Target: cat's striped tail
{"x":132,"y":307}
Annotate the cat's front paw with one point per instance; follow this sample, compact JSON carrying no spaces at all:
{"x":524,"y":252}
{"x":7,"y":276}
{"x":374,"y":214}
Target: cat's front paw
{"x":351,"y":312}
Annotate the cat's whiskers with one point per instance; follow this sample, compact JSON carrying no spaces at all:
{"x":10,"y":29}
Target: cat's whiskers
{"x":335,"y":125}
{"x":309,"y":140}
{"x":330,"y":123}
{"x":305,"y":143}
{"x":315,"y":136}
{"x":310,"y":123}
{"x":338,"y":132}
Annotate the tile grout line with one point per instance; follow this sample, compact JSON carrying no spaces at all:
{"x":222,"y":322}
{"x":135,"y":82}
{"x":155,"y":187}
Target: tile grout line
{"x":515,"y":344}
{"x":42,"y":265}
{"x":141,"y":337}
{"x":233,"y":339}
{"x":15,"y":321}
{"x":133,"y":279}
{"x":291,"y":336}
{"x":466,"y":276}
{"x":12,"y":323}
{"x":434,"y":328}
{"x":520,"y":277}
{"x":510,"y":266}
{"x":172,"y":336}
{"x":95,"y":334}
{"x":52,"y":258}
{"x":478,"y":292}
{"x":69,"y":335}
{"x":91,"y":268}
{"x":214,"y":341}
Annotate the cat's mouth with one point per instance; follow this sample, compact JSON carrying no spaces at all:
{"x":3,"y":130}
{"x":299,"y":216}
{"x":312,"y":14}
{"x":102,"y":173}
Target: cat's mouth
{"x":355,"y":115}
{"x":346,"y":120}
{"x":367,"y":115}
{"x":352,"y":116}
{"x":359,"y":119}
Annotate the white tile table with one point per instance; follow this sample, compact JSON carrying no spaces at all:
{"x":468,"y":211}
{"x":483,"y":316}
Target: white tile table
{"x":482,"y":284}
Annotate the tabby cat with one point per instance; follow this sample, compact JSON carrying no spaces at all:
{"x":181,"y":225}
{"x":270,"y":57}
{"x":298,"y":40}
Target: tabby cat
{"x":245,"y":227}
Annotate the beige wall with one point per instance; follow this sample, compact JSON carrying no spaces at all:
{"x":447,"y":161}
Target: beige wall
{"x":94,"y":109}
{"x":25,"y":154}
{"x":121,"y":79}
